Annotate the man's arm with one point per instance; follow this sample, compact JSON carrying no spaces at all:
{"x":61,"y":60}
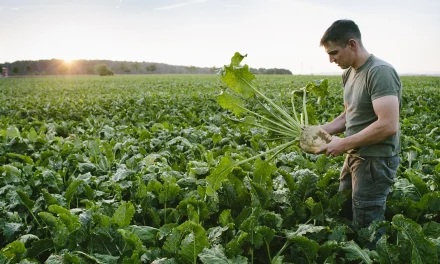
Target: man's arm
{"x":336,"y":126}
{"x":386,"y":125}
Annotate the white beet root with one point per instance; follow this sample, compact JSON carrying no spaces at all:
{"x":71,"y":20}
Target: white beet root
{"x":312,"y":138}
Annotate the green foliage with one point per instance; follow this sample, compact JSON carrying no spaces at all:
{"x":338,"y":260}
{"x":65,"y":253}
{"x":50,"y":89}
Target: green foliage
{"x":186,"y":241}
{"x":131,"y":169}
{"x":423,"y":250}
{"x":216,"y":255}
{"x":238,"y":77}
{"x":354,"y":252}
{"x":123,"y":215}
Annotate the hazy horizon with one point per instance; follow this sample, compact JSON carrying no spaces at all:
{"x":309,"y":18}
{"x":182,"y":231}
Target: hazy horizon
{"x":206,"y":33}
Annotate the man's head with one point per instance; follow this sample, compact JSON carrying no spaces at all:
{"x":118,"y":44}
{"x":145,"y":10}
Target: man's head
{"x":342,"y":41}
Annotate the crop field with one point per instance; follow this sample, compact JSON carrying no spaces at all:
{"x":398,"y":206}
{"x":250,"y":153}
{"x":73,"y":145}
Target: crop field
{"x":126,"y":169}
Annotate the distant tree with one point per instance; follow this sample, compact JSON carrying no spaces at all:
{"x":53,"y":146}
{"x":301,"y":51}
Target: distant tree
{"x":29,"y":69}
{"x":191,"y":69}
{"x":15,"y":70}
{"x":151,"y":67}
{"x":103,"y":70}
{"x":124,"y":67}
{"x":262,"y":70}
{"x":136,"y":66}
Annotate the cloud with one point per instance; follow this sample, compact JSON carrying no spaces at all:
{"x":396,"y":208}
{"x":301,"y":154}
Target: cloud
{"x":180,"y":5}
{"x":15,"y":9}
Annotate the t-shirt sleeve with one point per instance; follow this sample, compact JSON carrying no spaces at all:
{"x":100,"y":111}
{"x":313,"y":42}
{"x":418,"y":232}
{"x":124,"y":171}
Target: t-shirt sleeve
{"x":383,"y":80}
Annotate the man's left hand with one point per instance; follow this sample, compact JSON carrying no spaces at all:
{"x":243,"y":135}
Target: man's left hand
{"x":334,"y":148}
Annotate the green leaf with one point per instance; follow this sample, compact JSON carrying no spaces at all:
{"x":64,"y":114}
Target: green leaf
{"x":234,"y":247}
{"x":308,"y":247}
{"x":186,"y":241}
{"x":170,"y":189}
{"x":121,"y":174}
{"x":26,"y":159}
{"x":49,"y":199}
{"x":260,"y":196}
{"x":131,"y":239}
{"x":431,"y":229}
{"x":54,"y":259}
{"x":57,"y":228}
{"x":25,"y":200}
{"x":11,"y":173}
{"x":27,"y":238}
{"x":69,"y":220}
{"x":388,"y":253}
{"x":86,"y":167}
{"x":107,"y":259}
{"x":10,"y":229}
{"x":238,"y":77}
{"x":200,"y":207}
{"x":14,"y":250}
{"x":251,"y":226}
{"x":32,"y":135}
{"x":304,"y":229}
{"x":123,"y":215}
{"x":267,"y":233}
{"x":218,"y":175}
{"x":193,"y":243}
{"x":290,"y":182}
{"x":215,"y":255}
{"x":328,"y":249}
{"x":71,"y":258}
{"x":39,"y":247}
{"x":231,"y":102}
{"x":418,"y":182}
{"x":70,"y":191}
{"x":263,"y":173}
{"x":12,"y":132}
{"x":354,"y":252}
{"x":423,"y":250}
{"x":225,"y":217}
{"x":318,"y":87}
{"x":306,"y":182}
{"x":145,"y":233}
{"x":430,"y":202}
{"x":56,"y":209}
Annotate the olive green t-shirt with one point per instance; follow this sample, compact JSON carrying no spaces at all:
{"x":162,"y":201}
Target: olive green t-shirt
{"x":374,"y":79}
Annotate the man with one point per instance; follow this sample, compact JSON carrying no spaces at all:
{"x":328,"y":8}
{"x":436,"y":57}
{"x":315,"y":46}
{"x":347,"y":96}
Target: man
{"x":372,"y":98}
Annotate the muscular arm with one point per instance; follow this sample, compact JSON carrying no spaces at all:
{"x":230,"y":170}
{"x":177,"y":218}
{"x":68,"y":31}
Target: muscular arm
{"x":386,"y":125}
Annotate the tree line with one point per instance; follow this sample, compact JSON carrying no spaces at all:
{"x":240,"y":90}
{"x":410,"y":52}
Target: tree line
{"x":108,"y":67}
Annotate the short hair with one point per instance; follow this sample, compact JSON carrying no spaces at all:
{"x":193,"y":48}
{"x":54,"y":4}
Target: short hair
{"x":340,"y":32}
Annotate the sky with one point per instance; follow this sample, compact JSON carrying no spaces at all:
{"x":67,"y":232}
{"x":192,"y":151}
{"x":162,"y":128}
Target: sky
{"x":206,"y":33}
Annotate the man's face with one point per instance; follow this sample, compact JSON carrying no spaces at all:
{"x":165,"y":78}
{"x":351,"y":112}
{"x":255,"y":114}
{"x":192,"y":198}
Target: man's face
{"x":341,"y":56}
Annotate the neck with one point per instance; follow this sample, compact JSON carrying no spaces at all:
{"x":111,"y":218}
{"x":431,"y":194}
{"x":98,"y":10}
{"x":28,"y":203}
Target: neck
{"x":362,"y":57}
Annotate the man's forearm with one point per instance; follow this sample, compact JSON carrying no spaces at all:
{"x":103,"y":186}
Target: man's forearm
{"x":336,"y":126}
{"x":372,"y":134}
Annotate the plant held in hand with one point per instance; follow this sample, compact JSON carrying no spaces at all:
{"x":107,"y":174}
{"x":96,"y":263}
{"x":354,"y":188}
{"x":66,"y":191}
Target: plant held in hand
{"x":275,"y":117}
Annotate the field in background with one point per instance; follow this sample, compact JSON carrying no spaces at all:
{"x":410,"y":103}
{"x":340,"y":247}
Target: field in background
{"x":113,"y":170}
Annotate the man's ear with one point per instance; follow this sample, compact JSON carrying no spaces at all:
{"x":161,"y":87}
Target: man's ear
{"x":353,"y":44}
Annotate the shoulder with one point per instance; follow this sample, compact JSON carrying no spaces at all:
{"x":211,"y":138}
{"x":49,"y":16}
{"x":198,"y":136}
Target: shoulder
{"x":381,"y":68}
{"x":382,"y":79}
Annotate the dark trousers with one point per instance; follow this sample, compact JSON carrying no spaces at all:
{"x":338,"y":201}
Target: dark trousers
{"x":370,"y":179}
